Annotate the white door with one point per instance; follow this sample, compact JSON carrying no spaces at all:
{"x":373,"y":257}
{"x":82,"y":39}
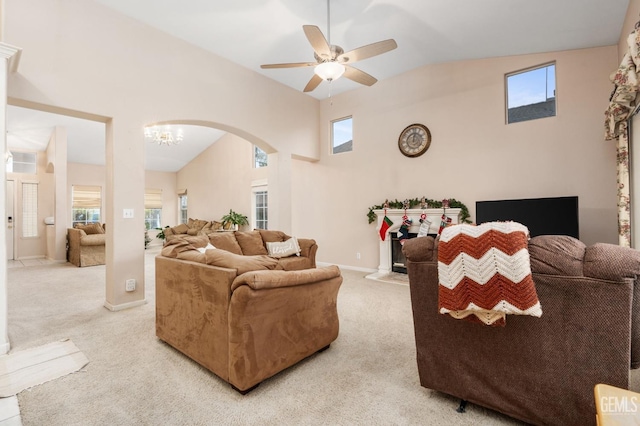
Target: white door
{"x":10,"y":220}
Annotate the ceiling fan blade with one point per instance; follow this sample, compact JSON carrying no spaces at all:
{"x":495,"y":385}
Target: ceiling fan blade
{"x":359,"y":76}
{"x":367,"y":51}
{"x":289,"y":65}
{"x":318,"y":41}
{"x":313,"y":83}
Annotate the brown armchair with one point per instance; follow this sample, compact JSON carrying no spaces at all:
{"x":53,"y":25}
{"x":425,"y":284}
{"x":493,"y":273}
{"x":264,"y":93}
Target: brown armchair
{"x":539,"y":370}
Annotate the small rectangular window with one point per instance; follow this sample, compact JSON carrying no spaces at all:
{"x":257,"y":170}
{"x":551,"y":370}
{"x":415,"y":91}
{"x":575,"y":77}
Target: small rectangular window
{"x":342,"y":135}
{"x":22,"y":162}
{"x":531,"y":93}
{"x":29,"y":209}
{"x":259,"y":157}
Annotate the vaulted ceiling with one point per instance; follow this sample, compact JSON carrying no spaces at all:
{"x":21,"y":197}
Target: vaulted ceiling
{"x":255,"y":32}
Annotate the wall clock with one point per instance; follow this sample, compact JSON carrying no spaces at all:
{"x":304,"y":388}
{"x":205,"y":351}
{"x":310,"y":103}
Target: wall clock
{"x":414,"y":140}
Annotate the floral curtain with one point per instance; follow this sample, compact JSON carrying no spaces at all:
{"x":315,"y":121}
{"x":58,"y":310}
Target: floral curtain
{"x":621,"y":107}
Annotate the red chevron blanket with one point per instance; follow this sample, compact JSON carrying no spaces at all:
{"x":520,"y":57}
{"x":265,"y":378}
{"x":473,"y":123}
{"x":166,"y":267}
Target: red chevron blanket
{"x":485,"y":273}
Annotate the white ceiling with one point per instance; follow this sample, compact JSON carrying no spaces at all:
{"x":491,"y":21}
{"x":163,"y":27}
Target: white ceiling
{"x":255,"y":32}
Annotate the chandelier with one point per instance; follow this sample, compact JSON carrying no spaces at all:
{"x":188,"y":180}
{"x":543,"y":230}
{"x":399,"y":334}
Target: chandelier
{"x":163,"y":136}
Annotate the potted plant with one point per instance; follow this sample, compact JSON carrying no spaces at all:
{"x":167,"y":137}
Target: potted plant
{"x":234,"y":220}
{"x":160,"y":235}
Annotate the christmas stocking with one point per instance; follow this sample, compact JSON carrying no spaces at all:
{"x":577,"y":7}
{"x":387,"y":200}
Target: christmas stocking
{"x":386,"y":224}
{"x":444,"y":222}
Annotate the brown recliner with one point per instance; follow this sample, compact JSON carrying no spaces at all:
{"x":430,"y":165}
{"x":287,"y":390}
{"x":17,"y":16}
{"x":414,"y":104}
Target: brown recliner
{"x":245,"y":328}
{"x":539,"y":370}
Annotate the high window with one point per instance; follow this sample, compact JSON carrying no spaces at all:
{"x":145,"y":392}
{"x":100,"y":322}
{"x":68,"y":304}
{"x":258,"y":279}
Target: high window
{"x":86,"y":204}
{"x":29,"y":209}
{"x":22,"y":162}
{"x":259,"y":157}
{"x":342,"y":135}
{"x":531,"y":93}
{"x":152,"y":208}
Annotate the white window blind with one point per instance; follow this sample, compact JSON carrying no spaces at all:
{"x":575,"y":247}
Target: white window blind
{"x":152,"y":198}
{"x":29,"y":209}
{"x":86,"y":197}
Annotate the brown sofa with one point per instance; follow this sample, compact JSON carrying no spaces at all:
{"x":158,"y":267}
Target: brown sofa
{"x":244,"y":317}
{"x":539,"y":370}
{"x":86,"y":245}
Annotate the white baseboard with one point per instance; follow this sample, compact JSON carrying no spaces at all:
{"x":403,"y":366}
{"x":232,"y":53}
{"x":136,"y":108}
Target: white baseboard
{"x":5,"y":348}
{"x":116,"y":308}
{"x":348,"y":267}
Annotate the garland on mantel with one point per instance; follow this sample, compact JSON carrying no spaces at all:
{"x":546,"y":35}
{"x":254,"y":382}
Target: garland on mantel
{"x":417,"y":202}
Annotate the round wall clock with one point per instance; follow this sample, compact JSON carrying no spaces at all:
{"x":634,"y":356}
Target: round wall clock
{"x":414,"y":140}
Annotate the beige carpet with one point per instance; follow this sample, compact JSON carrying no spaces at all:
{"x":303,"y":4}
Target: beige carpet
{"x":30,"y":367}
{"x":367,"y":377}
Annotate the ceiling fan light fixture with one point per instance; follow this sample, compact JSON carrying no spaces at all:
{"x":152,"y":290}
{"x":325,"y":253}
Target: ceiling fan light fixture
{"x":330,"y":70}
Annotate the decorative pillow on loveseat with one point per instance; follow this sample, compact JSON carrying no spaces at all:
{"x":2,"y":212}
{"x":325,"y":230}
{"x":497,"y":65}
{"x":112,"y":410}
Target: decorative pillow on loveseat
{"x":284,"y":249}
{"x":225,"y":241}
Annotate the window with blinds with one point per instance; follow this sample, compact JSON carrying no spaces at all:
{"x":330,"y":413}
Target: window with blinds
{"x":86,"y":204}
{"x":153,"y":208}
{"x":29,"y":209}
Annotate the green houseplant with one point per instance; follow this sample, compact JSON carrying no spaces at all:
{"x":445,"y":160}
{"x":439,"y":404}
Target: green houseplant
{"x":160,"y":235}
{"x":233,"y":219}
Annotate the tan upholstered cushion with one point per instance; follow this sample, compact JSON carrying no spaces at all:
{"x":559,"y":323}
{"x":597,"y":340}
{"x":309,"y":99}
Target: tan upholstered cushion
{"x":180,"y":229}
{"x":272,"y":236}
{"x":284,"y":248}
{"x":182,"y":243}
{"x":175,"y":246}
{"x":212,"y":227}
{"x":91,"y":228}
{"x":225,"y":241}
{"x":196,"y":224}
{"x":251,"y":243}
{"x":239,"y":262}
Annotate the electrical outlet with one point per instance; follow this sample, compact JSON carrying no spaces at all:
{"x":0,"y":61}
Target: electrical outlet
{"x":358,"y":256}
{"x":130,"y":284}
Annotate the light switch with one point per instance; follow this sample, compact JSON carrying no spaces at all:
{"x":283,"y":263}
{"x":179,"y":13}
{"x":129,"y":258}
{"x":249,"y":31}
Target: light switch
{"x":127,"y":213}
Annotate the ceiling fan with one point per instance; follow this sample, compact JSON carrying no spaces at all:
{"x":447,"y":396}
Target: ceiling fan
{"x":332,"y":61}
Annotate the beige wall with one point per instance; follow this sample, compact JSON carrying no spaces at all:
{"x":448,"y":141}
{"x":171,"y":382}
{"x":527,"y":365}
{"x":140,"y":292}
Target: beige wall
{"x":220,"y":179}
{"x":473,"y":156}
{"x":87,"y":59}
{"x":90,"y":174}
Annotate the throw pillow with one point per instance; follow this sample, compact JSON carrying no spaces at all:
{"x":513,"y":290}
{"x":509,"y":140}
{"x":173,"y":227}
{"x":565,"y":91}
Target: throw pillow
{"x":242,"y":264}
{"x":180,"y":229}
{"x":251,"y":243}
{"x":485,"y":272}
{"x":284,"y":249}
{"x":225,"y":241}
{"x":174,"y":247}
{"x":91,"y":228}
{"x":273,"y":236}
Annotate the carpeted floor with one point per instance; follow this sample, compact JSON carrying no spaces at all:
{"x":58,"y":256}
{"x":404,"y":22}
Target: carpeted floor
{"x":368,"y":376}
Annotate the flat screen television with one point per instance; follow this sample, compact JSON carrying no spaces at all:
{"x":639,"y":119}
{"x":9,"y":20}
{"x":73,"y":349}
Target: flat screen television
{"x":543,"y":216}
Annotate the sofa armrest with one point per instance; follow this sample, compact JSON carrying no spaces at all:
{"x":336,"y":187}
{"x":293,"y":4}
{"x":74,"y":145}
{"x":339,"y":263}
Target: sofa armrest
{"x":308,"y":249}
{"x":75,"y":235}
{"x":260,"y":280}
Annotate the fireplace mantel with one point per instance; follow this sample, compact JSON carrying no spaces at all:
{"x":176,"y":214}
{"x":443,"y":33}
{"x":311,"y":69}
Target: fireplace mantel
{"x":434,"y":215}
